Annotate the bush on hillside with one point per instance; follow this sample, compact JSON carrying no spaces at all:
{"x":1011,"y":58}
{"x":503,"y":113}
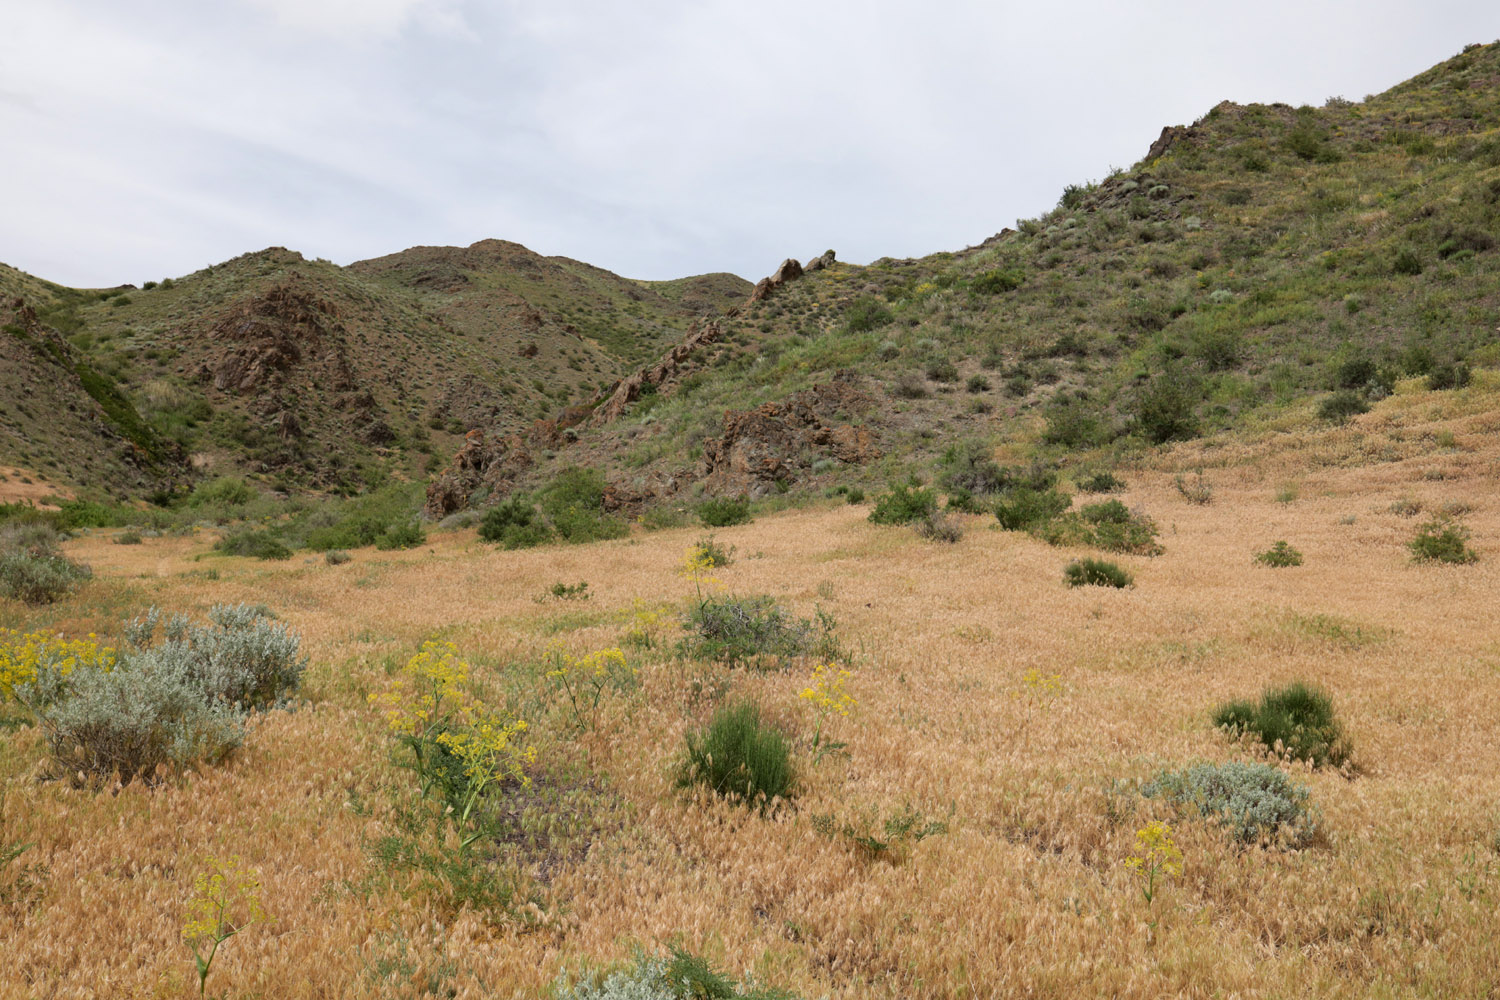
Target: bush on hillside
{"x":515,"y":524}
{"x":1101,"y":482}
{"x":1297,"y":720}
{"x":1110,"y":526}
{"x":254,"y":544}
{"x":32,"y":569}
{"x":997,"y":281}
{"x":405,"y":535}
{"x":1342,"y":405}
{"x":1095,"y":573}
{"x":939,"y":527}
{"x":574,"y":503}
{"x":1023,"y":508}
{"x":1442,"y":540}
{"x":722,"y":512}
{"x":1280,"y":556}
{"x":739,"y":757}
{"x":1254,"y":803}
{"x":903,"y":505}
{"x":865,"y":314}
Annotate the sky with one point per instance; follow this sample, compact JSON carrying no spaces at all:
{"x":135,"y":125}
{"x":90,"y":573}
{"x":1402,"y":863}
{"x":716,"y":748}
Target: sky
{"x":658,"y":138}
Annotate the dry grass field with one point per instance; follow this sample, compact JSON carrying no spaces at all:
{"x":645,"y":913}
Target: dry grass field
{"x":1025,"y":893}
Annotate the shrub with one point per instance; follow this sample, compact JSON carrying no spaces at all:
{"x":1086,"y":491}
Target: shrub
{"x":1095,"y":573}
{"x":969,"y":466}
{"x":223,"y":492}
{"x":32,"y":569}
{"x":1164,"y":410}
{"x":721,"y":512}
{"x":1254,"y":803}
{"x":574,"y":502}
{"x":514,"y":523}
{"x":1023,"y":508}
{"x":995,"y":282}
{"x":407,"y":535}
{"x":738,"y":757}
{"x":977,"y":384}
{"x":1101,"y":482}
{"x":1442,"y":540}
{"x":752,"y":631}
{"x":1280,"y":556}
{"x":710,"y":553}
{"x":1454,"y":375}
{"x":1342,"y":405}
{"x":910,"y":386}
{"x":336,"y":557}
{"x":242,"y":658}
{"x":866,"y":314}
{"x":939,"y":527}
{"x":854,"y":496}
{"x":253,"y":544}
{"x":1296,"y":720}
{"x":942,"y":370}
{"x":90,"y":514}
{"x":903,"y":505}
{"x":1110,"y":526}
{"x":681,"y":976}
{"x":1199,"y":491}
{"x":1407,"y":262}
{"x":128,"y":538}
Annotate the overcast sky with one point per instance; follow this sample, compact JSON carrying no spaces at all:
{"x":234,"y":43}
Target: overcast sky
{"x":657,"y":138}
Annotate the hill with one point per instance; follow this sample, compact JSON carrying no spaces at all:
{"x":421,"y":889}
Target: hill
{"x":1251,"y":265}
{"x":314,"y":376}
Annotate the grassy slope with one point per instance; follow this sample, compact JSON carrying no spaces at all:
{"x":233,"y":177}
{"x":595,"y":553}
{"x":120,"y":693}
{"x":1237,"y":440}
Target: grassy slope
{"x":1240,"y":268}
{"x":1028,"y":888}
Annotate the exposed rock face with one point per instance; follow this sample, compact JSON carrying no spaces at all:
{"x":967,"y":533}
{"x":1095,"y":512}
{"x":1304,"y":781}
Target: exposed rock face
{"x":1170,"y":136}
{"x":789,"y":270}
{"x":480,"y":462}
{"x":818,"y":263}
{"x":777,"y":441}
{"x":628,"y":390}
{"x":272,"y":333}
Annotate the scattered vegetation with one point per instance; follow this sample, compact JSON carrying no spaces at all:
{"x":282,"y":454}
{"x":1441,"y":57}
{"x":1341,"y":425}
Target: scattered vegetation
{"x":32,"y":569}
{"x":1279,"y":556}
{"x":1254,"y":803}
{"x":903,"y":505}
{"x":1442,"y":540}
{"x":721,"y":512}
{"x":1096,"y":573}
{"x":1296,"y":721}
{"x":739,"y":757}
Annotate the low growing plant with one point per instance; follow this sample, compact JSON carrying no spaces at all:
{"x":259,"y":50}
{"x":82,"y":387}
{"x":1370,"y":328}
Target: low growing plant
{"x":1296,"y":721}
{"x":1442,"y":540}
{"x":722,"y":512}
{"x":1254,"y":803}
{"x":1280,"y":556}
{"x":739,"y":757}
{"x":1095,"y":573}
{"x":903,"y":505}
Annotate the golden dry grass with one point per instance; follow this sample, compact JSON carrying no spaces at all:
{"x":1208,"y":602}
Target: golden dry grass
{"x":1026,"y":895}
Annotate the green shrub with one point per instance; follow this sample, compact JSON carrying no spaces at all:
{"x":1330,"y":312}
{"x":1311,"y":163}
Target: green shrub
{"x":721,"y":512}
{"x":1110,"y":526}
{"x":1454,"y":375}
{"x":1023,"y":508}
{"x":739,"y":757}
{"x":336,"y":557}
{"x":31,"y":567}
{"x":574,"y":502}
{"x":243,"y":658}
{"x":1442,"y":540}
{"x":752,"y":631}
{"x":1254,"y":803}
{"x":1296,"y":720}
{"x":866,"y":314}
{"x":1164,"y":410}
{"x":407,"y":535}
{"x":942,"y":370}
{"x":223,"y":492}
{"x":90,"y":514}
{"x":1279,"y":556}
{"x":1095,"y":573}
{"x":513,"y":512}
{"x":1101,"y":482}
{"x":995,"y":282}
{"x":1342,"y":405}
{"x":854,"y":496}
{"x":253,"y":544}
{"x":977,"y":384}
{"x":1407,"y":262}
{"x":969,"y":466}
{"x":903,"y":505}
{"x":128,"y":538}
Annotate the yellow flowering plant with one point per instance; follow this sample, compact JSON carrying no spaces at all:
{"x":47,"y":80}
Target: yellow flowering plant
{"x":584,"y":679}
{"x":646,"y":626}
{"x":35,"y":667}
{"x":459,"y":746}
{"x":226,"y":900}
{"x":829,"y":697}
{"x":1156,"y":857}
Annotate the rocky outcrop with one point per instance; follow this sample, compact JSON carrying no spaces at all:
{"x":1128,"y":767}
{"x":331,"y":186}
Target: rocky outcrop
{"x":272,"y":333}
{"x":1170,"y":136}
{"x":628,"y":390}
{"x":490,"y":462}
{"x":777,"y":442}
{"x":818,"y":263}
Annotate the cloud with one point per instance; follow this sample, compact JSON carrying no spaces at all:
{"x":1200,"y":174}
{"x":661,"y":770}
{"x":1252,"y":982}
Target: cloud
{"x":355,"y":19}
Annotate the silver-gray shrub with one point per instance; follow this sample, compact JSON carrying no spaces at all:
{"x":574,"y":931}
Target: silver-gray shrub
{"x":139,"y":717}
{"x":179,"y":698}
{"x":1254,"y":803}
{"x":645,"y":980}
{"x":243,"y":658}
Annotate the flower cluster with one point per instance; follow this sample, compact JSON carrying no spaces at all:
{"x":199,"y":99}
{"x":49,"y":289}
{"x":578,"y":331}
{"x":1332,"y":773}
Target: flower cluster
{"x":490,"y":750}
{"x":1157,"y":857}
{"x":35,"y":666}
{"x":827,"y":690}
{"x":1039,"y":686}
{"x":584,"y":679}
{"x":428,"y":692}
{"x":647,"y":624}
{"x":226,"y":900}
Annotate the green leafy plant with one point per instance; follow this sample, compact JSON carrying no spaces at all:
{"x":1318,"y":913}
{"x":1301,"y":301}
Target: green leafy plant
{"x":1442,"y":540}
{"x":1279,"y":556}
{"x":570,"y":591}
{"x":1297,"y":721}
{"x":1023,"y":508}
{"x":32,"y":569}
{"x":405,"y":535}
{"x":1095,"y":573}
{"x":903,"y":505}
{"x":889,"y":840}
{"x":722,"y":512}
{"x":711,"y":553}
{"x":226,"y":900}
{"x":739,"y":757}
{"x":1342,"y":405}
{"x":253,"y":544}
